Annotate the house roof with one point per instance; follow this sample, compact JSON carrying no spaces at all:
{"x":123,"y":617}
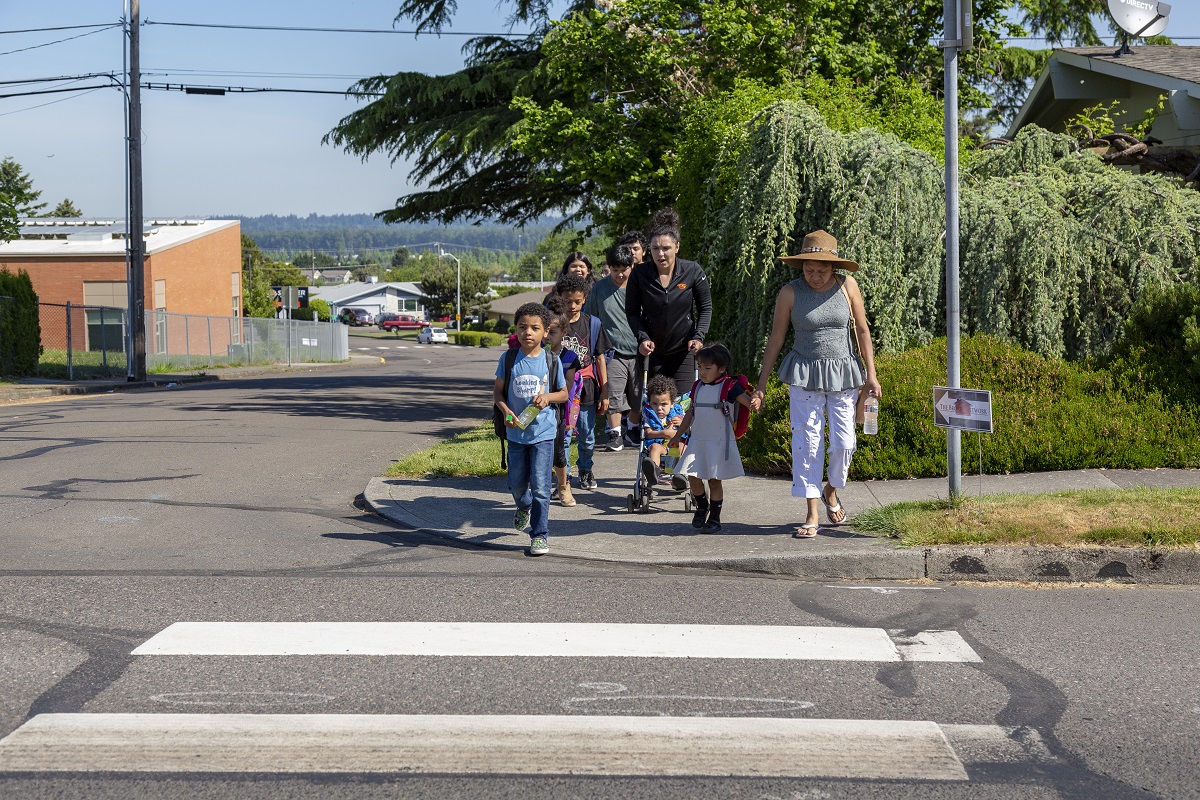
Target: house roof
{"x":507,"y":306}
{"x":342,"y":294}
{"x":67,"y":238}
{"x":1076,"y":77}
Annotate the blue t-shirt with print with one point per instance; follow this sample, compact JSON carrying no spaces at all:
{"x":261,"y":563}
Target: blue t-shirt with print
{"x":529,"y":378}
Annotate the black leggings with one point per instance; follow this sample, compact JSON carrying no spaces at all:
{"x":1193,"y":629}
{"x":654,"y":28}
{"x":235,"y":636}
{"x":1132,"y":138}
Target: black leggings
{"x":680,"y":366}
{"x":560,"y":440}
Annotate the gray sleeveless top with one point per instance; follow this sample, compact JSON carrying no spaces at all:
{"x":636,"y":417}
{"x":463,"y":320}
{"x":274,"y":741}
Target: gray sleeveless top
{"x":822,"y":358}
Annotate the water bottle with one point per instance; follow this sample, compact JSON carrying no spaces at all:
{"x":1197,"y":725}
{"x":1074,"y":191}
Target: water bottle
{"x":529,"y":413}
{"x":871,"y":415}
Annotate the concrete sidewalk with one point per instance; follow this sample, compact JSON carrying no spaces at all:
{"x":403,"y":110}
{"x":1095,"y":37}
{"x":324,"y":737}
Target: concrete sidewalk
{"x":758,"y":518}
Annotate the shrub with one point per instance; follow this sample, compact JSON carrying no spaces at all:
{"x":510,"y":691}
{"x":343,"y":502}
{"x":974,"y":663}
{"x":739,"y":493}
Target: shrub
{"x":308,"y":314}
{"x":20,"y":328}
{"x":478,"y":339}
{"x":1049,"y":415}
{"x":502,"y":326}
{"x":1160,"y":344}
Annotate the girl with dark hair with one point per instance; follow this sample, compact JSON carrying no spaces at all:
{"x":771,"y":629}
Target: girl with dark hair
{"x":578,"y":263}
{"x":668,"y":304}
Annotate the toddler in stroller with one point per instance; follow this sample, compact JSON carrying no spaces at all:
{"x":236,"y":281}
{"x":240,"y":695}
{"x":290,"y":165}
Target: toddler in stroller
{"x":661,"y":415}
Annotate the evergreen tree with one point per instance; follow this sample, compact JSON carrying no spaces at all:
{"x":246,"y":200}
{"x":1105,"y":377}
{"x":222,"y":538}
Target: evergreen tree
{"x":66,"y":209}
{"x":17,"y":186}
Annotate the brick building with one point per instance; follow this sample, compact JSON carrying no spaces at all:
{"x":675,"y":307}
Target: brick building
{"x":191,"y":267}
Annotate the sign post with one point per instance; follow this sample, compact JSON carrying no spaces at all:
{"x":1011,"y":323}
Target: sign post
{"x":959,"y":410}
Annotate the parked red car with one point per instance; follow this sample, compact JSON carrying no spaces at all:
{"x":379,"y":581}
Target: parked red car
{"x":399,"y":322}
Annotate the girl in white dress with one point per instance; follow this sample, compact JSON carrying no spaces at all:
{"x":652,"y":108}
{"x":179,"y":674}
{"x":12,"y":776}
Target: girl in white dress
{"x":712,"y":452}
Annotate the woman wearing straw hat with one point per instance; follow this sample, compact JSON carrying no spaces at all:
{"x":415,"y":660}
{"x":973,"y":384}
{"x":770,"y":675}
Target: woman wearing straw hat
{"x":823,"y":372}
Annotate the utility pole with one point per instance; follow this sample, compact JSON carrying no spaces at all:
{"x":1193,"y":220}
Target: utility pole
{"x":957,"y":16}
{"x":458,"y":314}
{"x":135,"y":242}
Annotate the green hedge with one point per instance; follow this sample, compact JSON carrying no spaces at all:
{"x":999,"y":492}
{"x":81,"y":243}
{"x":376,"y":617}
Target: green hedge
{"x":1048,"y":415}
{"x":478,"y":339}
{"x":20,"y":329}
{"x":1160,"y":344}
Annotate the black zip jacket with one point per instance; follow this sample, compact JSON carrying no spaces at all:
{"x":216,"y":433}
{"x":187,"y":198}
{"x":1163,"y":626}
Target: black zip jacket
{"x":672,"y":316}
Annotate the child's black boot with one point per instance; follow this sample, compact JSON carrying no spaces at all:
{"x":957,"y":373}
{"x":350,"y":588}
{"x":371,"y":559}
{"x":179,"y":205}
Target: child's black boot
{"x":713,"y":524}
{"x":701,"y":503}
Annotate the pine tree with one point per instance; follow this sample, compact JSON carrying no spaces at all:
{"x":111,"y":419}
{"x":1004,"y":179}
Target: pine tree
{"x":66,"y":210}
{"x":17,"y":186}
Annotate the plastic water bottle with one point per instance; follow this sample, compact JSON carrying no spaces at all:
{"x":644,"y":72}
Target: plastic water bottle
{"x":529,"y":413}
{"x":871,"y":415}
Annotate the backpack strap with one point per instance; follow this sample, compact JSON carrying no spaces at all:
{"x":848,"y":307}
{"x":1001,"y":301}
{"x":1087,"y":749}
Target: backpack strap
{"x":594,"y":334}
{"x":550,"y":372}
{"x":510,"y":360}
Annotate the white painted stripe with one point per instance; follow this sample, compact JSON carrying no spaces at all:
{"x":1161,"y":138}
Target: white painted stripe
{"x":401,"y":347}
{"x":934,"y":646}
{"x":576,"y":640}
{"x":571,"y":745}
{"x":387,"y":347}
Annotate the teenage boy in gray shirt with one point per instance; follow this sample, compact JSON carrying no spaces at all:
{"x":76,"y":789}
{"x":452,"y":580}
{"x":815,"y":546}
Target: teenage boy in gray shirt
{"x":607,"y":301}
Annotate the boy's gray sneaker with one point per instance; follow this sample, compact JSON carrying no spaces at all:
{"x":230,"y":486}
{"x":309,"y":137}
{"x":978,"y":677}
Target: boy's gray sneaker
{"x":539,"y":546}
{"x":586,"y":479}
{"x":615,"y":442}
{"x":521,"y":520}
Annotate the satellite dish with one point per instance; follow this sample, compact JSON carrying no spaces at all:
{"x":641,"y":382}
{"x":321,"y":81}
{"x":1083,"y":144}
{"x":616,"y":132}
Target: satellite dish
{"x":1140,"y":17}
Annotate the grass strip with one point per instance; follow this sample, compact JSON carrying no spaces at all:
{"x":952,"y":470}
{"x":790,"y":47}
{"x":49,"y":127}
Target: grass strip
{"x":1140,"y":517}
{"x":472,"y":454}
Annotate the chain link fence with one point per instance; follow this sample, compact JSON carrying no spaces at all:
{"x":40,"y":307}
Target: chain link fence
{"x":89,"y":341}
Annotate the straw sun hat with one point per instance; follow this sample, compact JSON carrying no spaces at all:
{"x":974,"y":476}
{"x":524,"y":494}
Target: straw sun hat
{"x":819,"y":246}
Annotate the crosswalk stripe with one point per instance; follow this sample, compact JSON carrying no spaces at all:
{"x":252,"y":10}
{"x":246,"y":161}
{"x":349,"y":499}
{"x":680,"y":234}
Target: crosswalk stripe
{"x":577,"y":640}
{"x":454,"y":744}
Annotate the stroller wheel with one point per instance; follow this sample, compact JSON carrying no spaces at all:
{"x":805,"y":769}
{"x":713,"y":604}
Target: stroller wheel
{"x":687,"y":502}
{"x":629,"y":504}
{"x":646,"y":502}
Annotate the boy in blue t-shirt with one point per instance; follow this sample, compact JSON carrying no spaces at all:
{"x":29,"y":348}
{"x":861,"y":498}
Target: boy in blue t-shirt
{"x":531,"y":450}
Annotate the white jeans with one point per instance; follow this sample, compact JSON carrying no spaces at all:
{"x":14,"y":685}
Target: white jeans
{"x":808,"y":411}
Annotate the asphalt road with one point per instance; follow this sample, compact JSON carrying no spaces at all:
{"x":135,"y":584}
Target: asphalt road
{"x":124,"y":514}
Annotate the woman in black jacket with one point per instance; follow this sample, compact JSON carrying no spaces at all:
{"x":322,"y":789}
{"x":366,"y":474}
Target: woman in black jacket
{"x":668,"y":304}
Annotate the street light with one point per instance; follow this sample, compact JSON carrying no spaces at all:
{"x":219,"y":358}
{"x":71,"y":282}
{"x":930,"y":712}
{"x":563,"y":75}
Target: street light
{"x":458,"y":315}
{"x":542,"y":275}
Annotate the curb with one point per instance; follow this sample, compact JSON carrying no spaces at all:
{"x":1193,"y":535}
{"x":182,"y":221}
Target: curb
{"x":34,"y":391}
{"x":959,"y":563}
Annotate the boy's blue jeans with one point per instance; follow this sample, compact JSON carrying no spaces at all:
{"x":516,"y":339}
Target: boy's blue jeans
{"x":530,"y":476}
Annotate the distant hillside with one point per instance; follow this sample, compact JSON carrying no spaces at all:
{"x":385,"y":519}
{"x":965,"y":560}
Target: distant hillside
{"x":347,"y":234}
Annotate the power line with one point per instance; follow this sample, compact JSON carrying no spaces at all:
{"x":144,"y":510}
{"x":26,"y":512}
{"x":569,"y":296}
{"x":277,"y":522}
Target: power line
{"x":62,"y":28}
{"x":220,"y":90}
{"x":60,"y":78}
{"x":81,"y":89}
{"x":298,"y":29}
{"x":60,"y":41}
{"x":58,"y":91}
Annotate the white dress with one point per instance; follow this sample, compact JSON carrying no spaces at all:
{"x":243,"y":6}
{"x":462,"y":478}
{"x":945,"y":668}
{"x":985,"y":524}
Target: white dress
{"x":712,"y":449}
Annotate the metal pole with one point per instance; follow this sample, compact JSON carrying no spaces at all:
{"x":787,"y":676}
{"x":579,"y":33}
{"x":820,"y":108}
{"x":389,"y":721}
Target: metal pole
{"x":210,"y":361}
{"x":542,"y":276}
{"x":103,"y":341}
{"x":187,"y":341}
{"x":950,"y":51}
{"x":70,"y":362}
{"x":135,"y":244}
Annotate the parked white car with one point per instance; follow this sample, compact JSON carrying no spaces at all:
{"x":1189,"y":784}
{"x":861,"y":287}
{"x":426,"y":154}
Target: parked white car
{"x":430,"y":335}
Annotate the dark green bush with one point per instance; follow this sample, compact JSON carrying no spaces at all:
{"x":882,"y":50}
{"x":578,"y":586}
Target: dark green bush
{"x":308,"y":314}
{"x":502,"y":327}
{"x":1048,"y":415}
{"x":1160,"y":344}
{"x":478,"y":339}
{"x":20,"y":329}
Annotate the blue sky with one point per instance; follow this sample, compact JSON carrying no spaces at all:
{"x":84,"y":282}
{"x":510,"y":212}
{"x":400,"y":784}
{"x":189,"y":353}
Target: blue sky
{"x":237,"y":154}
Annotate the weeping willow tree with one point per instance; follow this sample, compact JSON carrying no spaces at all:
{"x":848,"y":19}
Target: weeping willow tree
{"x":878,"y":196}
{"x":1056,"y":246}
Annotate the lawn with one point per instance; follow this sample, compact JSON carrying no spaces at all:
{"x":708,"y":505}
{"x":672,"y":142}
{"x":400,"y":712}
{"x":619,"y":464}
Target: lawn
{"x":475,"y":453}
{"x":1089,"y":518}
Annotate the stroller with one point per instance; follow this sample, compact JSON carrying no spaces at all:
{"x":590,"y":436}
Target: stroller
{"x":644,"y":489}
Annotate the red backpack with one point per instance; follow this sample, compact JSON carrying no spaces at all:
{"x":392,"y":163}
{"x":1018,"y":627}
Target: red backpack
{"x":742,"y":422}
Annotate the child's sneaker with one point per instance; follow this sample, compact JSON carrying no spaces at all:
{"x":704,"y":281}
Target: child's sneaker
{"x":538,"y":546}
{"x":679,"y":482}
{"x":586,"y":479}
{"x":521,"y":520}
{"x":615,"y":442}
